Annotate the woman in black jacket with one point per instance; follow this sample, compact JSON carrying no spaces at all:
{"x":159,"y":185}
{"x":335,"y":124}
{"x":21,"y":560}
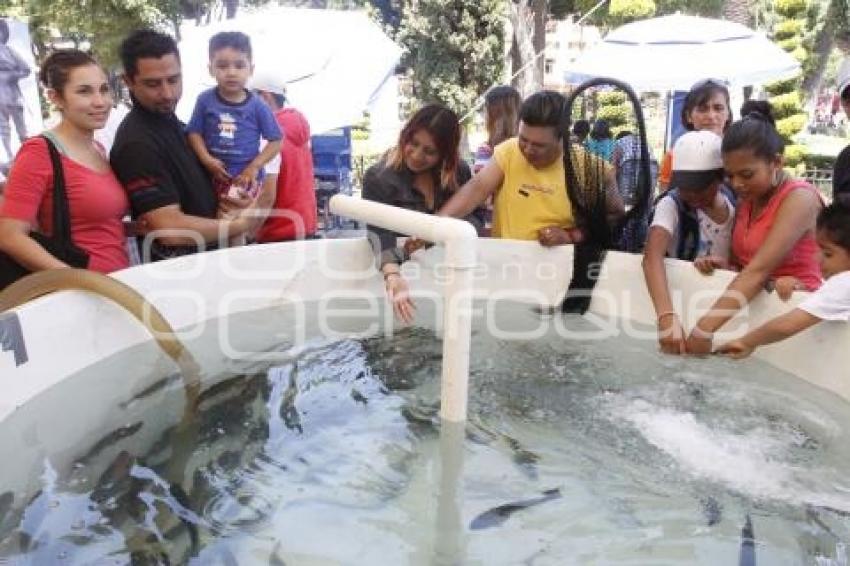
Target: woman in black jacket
{"x":420,"y":173}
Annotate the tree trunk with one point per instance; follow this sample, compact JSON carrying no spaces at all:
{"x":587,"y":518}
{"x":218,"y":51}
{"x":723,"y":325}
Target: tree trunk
{"x":737,"y":11}
{"x":539,"y":9}
{"x":528,"y":19}
{"x":824,"y":43}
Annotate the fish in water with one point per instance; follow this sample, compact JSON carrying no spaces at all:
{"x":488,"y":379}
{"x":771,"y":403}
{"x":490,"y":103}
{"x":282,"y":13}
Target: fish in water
{"x":498,"y":515}
{"x":748,"y":545}
{"x":109,"y":440}
{"x":275,"y":559}
{"x":711,"y":510}
{"x":288,"y":411}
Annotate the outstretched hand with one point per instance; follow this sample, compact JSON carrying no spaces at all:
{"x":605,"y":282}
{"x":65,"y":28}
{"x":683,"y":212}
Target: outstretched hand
{"x":786,"y":285}
{"x":398,"y":294}
{"x":218,"y":170}
{"x":698,"y":343}
{"x":246,"y":179}
{"x":736,"y":349}
{"x":707,"y":264}
{"x":550,"y":236}
{"x":671,"y":335}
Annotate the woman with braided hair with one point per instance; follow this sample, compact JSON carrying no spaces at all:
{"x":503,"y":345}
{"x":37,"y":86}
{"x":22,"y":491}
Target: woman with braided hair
{"x":527,"y":179}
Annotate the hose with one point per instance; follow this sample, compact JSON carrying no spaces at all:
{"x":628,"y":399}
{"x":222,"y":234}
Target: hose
{"x":49,"y":281}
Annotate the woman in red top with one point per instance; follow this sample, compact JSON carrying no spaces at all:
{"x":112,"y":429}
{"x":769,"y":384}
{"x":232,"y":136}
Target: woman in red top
{"x":773,"y":238}
{"x":78,"y":88}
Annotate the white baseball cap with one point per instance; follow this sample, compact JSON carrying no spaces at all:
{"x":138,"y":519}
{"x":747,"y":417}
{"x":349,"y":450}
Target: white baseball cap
{"x":267,"y":82}
{"x":843,"y":78}
{"x":697,"y":161}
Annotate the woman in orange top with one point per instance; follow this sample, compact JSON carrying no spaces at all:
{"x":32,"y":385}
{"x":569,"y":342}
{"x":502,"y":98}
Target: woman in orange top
{"x":774,"y":234}
{"x":706,"y":108}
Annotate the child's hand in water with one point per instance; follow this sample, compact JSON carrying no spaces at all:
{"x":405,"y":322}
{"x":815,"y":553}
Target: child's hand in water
{"x":707,"y":264}
{"x":736,"y":349}
{"x":786,"y":285}
{"x":671,"y":335}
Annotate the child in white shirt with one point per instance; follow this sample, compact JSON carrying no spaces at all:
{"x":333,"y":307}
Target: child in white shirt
{"x":693,"y":222}
{"x":830,"y":302}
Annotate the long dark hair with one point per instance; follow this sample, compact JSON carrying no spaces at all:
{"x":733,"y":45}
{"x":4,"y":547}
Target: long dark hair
{"x":501,"y":113}
{"x":756,"y":132}
{"x":444,"y":127}
{"x":834,"y":220}
{"x":587,"y":192}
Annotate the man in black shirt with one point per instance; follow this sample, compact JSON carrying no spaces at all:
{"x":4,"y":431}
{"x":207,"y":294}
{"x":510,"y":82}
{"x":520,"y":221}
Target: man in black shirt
{"x":841,"y":172}
{"x":168,"y":188}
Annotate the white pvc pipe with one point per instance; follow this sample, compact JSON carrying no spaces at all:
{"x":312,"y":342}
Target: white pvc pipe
{"x":459,"y":239}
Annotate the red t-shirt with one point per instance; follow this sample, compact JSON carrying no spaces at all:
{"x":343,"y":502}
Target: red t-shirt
{"x":294,"y":212}
{"x":97,"y":203}
{"x":750,"y":233}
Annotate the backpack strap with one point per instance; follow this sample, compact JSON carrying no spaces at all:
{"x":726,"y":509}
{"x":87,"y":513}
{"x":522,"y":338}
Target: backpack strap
{"x":687,"y":245}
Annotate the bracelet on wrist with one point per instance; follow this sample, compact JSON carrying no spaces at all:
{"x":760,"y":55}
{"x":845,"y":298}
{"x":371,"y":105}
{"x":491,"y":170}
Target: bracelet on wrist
{"x":665,"y":314}
{"x":388,"y":273}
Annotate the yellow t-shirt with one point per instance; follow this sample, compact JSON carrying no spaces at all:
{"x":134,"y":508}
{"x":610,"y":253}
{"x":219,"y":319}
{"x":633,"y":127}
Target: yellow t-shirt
{"x":530,"y":198}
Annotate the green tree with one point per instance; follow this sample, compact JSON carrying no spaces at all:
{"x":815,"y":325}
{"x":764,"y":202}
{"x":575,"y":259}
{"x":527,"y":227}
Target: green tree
{"x":388,"y":13}
{"x":602,"y":17}
{"x":706,"y":8}
{"x":104,"y":23}
{"x":624,"y":11}
{"x":101,"y":23}
{"x":841,"y":10}
{"x":786,"y":100}
{"x":559,"y":9}
{"x":454,"y":49}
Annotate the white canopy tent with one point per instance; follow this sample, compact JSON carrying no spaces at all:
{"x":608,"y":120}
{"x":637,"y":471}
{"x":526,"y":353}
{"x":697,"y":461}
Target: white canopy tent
{"x":334,"y":63}
{"x":674,"y":52}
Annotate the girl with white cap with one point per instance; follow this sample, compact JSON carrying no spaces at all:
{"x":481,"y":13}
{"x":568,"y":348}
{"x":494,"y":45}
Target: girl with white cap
{"x":693,"y":222}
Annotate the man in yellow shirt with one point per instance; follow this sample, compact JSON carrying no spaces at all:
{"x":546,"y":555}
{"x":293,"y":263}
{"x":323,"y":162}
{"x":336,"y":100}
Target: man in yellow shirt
{"x":527,"y":177}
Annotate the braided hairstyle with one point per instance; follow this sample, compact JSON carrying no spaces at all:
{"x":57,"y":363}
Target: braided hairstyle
{"x":587,"y":191}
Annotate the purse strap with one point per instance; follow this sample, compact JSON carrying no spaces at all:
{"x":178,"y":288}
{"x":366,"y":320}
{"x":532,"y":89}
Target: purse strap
{"x":61,"y":211}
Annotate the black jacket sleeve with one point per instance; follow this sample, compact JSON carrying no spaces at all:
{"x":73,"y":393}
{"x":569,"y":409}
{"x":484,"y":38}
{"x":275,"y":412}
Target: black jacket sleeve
{"x":383,"y":241}
{"x":841,"y":173}
{"x":148,"y":184}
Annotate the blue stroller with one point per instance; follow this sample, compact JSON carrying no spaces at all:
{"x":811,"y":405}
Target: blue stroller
{"x":332,"y":172}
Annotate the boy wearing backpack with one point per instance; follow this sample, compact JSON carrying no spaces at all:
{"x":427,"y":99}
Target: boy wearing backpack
{"x":692,"y":222}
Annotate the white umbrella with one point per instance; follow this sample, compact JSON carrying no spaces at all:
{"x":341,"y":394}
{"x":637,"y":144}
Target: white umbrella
{"x":674,"y":52}
{"x":333,"y":62}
